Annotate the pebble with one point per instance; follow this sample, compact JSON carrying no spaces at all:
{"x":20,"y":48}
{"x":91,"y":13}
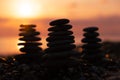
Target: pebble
{"x":58,"y":43}
{"x":29,"y":34}
{"x":57,"y":38}
{"x":60,"y":48}
{"x":91,"y":40}
{"x":92,"y":34}
{"x":61,"y":33}
{"x":59,"y":22}
{"x":90,"y":29}
{"x":32,"y":25}
{"x":30,"y":38}
{"x":60,"y":28}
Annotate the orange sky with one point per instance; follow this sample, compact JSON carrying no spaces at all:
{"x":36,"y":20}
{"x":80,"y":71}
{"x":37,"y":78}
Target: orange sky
{"x":83,"y":13}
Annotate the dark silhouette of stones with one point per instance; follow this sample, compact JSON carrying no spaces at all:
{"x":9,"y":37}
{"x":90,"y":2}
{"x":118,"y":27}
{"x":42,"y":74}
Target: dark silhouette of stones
{"x":62,"y":34}
{"x":30,"y":37}
{"x":60,"y":43}
{"x":60,"y":28}
{"x":92,"y":46}
{"x":31,"y":49}
{"x":92,"y":29}
{"x":59,"y":22}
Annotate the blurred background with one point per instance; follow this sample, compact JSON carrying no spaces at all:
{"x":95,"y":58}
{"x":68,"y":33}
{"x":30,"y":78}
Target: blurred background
{"x":82,"y":13}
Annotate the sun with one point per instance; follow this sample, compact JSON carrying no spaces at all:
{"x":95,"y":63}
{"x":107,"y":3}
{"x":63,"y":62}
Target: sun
{"x":27,"y":9}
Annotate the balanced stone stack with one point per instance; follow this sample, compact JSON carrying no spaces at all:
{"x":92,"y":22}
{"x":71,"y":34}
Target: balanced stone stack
{"x":92,"y":46}
{"x":31,"y":45}
{"x":60,"y":41}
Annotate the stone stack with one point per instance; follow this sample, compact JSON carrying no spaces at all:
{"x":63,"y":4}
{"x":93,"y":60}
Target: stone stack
{"x":30,"y":40}
{"x":60,"y":41}
{"x":92,"y":46}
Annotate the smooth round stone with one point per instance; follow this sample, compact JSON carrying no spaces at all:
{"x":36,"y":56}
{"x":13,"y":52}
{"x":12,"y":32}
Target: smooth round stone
{"x":92,"y":46}
{"x":60,"y":48}
{"x":59,"y":22}
{"x":30,"y":44}
{"x":92,"y":34}
{"x":57,"y":38}
{"x":51,"y":44}
{"x":33,"y":30}
{"x":30,"y":49}
{"x":60,"y":28}
{"x":91,"y":40}
{"x":90,"y":29}
{"x":31,"y":25}
{"x":30,"y":38}
{"x":60,"y":33}
{"x":29,"y":34}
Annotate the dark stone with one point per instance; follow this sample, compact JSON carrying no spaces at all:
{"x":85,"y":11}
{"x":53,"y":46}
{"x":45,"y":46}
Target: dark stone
{"x":52,"y":44}
{"x":30,"y":44}
{"x":60,"y":28}
{"x":91,"y":40}
{"x":91,"y":35}
{"x":59,"y":22}
{"x":90,"y":29}
{"x":30,"y":49}
{"x":32,"y":25}
{"x":29,"y":34}
{"x":33,"y":30}
{"x":60,"y":48}
{"x":60,"y":33}
{"x":30,"y":38}
{"x":54,"y":38}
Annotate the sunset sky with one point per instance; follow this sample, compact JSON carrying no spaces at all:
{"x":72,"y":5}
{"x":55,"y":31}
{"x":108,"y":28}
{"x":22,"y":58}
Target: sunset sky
{"x":82,"y":13}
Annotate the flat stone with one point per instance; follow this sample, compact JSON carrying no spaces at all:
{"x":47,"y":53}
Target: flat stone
{"x":57,"y":38}
{"x":30,"y":44}
{"x":59,"y":22}
{"x":60,"y":48}
{"x":30,"y":49}
{"x":31,"y":25}
{"x":33,"y":30}
{"x":60,"y":28}
{"x":90,"y":29}
{"x":91,"y":35}
{"x":30,"y":39}
{"x":60,"y":33}
{"x":91,"y":40}
{"x":29,"y":34}
{"x":52,"y":44}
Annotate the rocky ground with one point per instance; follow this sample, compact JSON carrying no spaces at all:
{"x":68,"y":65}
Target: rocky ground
{"x":10,"y":69}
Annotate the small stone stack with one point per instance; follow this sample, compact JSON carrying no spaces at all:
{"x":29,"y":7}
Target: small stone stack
{"x":60,"y":41}
{"x":31,"y":45}
{"x":92,"y":46}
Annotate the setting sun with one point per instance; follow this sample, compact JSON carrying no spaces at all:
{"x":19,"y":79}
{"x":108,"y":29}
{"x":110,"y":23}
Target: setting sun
{"x":27,"y":9}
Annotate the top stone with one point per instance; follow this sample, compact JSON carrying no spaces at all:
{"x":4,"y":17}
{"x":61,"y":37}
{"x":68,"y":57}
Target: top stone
{"x":90,"y":29}
{"x":59,"y":22}
{"x":31,"y":25}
